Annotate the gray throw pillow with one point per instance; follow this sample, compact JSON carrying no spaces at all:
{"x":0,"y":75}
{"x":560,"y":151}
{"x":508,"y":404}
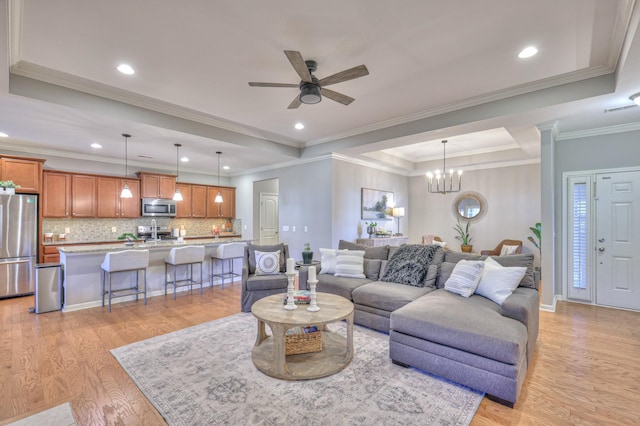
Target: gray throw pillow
{"x":446,"y":268}
{"x":430,"y":279}
{"x":348,"y":245}
{"x":379,"y":252}
{"x":372,"y":268}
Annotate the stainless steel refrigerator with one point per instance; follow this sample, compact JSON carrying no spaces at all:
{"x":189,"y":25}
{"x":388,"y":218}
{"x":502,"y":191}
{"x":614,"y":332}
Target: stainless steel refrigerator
{"x":18,"y":244}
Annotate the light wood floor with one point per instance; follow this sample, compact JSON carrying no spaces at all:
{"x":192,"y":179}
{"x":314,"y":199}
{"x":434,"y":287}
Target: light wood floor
{"x":586,"y":369}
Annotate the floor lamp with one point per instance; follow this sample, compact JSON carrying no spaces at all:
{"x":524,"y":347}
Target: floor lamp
{"x":398,"y":212}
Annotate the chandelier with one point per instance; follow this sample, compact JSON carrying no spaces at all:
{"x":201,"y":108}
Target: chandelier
{"x":438,"y":182}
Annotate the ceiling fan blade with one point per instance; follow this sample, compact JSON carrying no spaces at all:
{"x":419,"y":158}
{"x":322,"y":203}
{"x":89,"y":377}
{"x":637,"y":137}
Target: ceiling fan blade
{"x":254,"y":84}
{"x":335,"y":96}
{"x":350,"y":74}
{"x":298,"y":64}
{"x":295,"y":103}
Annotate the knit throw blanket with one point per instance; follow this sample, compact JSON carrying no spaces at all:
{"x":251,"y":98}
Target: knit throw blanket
{"x":409,"y":264}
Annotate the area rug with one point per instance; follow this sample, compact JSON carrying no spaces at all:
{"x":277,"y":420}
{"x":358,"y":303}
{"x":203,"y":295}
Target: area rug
{"x":203,"y":375}
{"x":61,"y":415}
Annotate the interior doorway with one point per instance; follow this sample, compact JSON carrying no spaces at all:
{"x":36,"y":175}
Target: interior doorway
{"x":268,"y":218}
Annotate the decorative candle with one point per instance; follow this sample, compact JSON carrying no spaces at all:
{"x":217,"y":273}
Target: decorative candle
{"x":312,"y":273}
{"x":290,"y":264}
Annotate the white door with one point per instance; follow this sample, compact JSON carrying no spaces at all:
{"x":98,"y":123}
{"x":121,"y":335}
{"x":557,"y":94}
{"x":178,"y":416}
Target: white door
{"x":268,"y":218}
{"x":618,"y":239}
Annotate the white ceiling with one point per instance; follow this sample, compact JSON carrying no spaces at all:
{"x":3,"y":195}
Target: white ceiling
{"x":438,"y":70}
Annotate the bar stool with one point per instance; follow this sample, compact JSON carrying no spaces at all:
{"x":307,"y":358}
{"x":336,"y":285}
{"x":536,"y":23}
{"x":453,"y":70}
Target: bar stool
{"x":188,"y":256}
{"x":225,"y":254}
{"x":124,"y":261}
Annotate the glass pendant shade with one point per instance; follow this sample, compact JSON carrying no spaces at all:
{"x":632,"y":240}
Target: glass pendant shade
{"x":218,"y":198}
{"x":177,"y":196}
{"x":126,"y":192}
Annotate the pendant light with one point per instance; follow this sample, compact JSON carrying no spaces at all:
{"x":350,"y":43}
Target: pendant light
{"x":218,"y":198}
{"x":177,"y":196}
{"x":441,"y":184}
{"x":126,"y":192}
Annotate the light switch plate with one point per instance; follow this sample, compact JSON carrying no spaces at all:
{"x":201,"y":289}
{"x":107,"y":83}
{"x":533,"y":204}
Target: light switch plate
{"x":293,"y":228}
{"x":114,"y":229}
{"x":285,"y":228}
{"x":67,"y":230}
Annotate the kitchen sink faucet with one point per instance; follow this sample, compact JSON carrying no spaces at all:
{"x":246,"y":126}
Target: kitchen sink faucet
{"x":154,"y":231}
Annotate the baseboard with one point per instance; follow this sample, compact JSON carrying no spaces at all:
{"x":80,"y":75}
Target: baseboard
{"x":552,"y":307}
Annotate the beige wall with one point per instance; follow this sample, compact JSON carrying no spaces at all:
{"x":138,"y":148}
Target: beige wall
{"x":513,"y":199}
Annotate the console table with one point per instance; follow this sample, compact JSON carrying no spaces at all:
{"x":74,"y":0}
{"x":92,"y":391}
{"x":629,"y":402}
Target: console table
{"x":384,"y":241}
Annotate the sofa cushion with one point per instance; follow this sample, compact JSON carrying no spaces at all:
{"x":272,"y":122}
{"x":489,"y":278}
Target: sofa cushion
{"x":372,"y":269}
{"x":497,"y":281}
{"x":432,"y":275}
{"x":456,"y":256}
{"x":350,"y":264}
{"x":409,"y":264}
{"x":327,"y":261}
{"x":525,"y":260}
{"x":348,"y":245}
{"x":267,"y":282}
{"x":473,"y":324}
{"x":378,"y":252}
{"x":272,"y":248}
{"x":338,"y":285}
{"x":267,"y":263}
{"x":446,"y":268}
{"x":387,"y":296}
{"x":465,"y":277}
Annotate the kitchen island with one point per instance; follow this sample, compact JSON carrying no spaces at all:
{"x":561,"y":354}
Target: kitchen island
{"x":81,"y":268}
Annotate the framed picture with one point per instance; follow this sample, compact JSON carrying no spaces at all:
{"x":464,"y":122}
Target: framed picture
{"x":376,"y":204}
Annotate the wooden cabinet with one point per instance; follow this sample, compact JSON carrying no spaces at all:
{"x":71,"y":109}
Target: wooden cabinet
{"x":83,"y":196}
{"x":194,"y":200}
{"x":50,"y":254}
{"x":56,"y":194}
{"x":109,"y":203}
{"x":22,"y":171}
{"x":226,"y":209}
{"x":157,"y":186}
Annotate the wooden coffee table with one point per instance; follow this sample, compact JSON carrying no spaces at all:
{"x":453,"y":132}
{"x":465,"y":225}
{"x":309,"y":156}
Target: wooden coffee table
{"x":269,"y":351}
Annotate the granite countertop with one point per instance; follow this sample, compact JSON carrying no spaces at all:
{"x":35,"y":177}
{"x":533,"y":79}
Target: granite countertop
{"x":224,"y":235}
{"x":167,"y":244}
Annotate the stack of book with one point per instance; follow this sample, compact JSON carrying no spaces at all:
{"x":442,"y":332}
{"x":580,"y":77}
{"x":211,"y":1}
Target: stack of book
{"x":300,"y":297}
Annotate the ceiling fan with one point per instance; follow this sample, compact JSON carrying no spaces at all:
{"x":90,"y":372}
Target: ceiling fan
{"x":312,"y":89}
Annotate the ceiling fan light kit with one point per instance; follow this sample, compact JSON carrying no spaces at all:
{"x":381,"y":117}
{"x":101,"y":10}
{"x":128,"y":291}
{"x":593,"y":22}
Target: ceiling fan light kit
{"x":311,"y":89}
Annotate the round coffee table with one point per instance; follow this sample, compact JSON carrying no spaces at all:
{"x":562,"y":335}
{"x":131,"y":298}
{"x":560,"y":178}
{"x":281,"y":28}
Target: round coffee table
{"x":269,"y":351}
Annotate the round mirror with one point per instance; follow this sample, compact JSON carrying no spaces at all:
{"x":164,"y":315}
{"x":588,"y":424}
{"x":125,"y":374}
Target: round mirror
{"x":469,"y":206}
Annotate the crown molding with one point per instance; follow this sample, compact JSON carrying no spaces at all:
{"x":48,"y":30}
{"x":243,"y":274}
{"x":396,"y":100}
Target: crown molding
{"x":62,"y":79}
{"x":601,"y":131}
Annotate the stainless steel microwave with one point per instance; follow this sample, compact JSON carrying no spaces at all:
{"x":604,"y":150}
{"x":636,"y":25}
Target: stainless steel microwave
{"x":158,"y":207}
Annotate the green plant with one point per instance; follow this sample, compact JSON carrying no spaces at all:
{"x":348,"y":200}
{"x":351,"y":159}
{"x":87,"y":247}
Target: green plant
{"x":307,"y":247}
{"x":374,"y":224}
{"x":537,"y":233}
{"x":463,"y":233}
{"x":128,"y":236}
{"x":8,"y":184}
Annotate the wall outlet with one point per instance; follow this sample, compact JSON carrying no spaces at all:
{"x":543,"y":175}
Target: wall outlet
{"x":306,"y":228}
{"x":114,"y":229}
{"x":285,"y":228}
{"x":245,"y":227}
{"x":67,"y":230}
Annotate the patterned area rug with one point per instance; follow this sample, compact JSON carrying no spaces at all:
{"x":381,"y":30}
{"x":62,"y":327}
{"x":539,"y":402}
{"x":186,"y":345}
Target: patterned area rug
{"x":203,"y":375}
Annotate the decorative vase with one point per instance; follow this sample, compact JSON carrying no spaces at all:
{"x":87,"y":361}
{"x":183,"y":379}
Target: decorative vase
{"x":371,"y":230}
{"x":307,"y":256}
{"x":466,"y":248}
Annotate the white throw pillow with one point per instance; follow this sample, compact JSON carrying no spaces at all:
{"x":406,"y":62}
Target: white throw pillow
{"x":350,"y":263}
{"x":328,"y":261}
{"x":267,"y":263}
{"x":465,"y":277}
{"x":440,"y":243}
{"x":498,"y":282}
{"x":508,"y":250}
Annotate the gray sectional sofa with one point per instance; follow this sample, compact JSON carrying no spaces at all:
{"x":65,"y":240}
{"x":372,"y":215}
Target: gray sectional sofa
{"x":470,"y":340}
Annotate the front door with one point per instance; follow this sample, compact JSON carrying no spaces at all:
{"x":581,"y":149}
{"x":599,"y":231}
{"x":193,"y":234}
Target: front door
{"x":268,"y":218}
{"x":618,"y":239}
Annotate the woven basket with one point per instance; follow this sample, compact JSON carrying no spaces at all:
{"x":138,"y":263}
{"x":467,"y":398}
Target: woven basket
{"x":303,"y":343}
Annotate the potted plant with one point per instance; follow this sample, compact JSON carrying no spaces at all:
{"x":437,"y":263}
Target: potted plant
{"x":307,"y":254}
{"x":129,"y":237}
{"x":537,"y":233}
{"x":371,"y":228}
{"x":464,"y":236}
{"x":8,"y":187}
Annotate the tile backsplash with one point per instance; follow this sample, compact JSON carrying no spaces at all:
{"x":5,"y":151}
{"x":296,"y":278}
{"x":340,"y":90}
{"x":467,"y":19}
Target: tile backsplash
{"x":90,"y":230}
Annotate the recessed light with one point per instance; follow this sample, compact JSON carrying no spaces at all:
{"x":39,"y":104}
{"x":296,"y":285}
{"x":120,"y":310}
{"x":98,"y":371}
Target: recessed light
{"x":635,"y":98}
{"x":299,"y":126}
{"x":96,"y":145}
{"x":185,"y":159}
{"x":3,"y":135}
{"x":126,"y":69}
{"x":527,"y":52}
{"x":226,"y":167}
